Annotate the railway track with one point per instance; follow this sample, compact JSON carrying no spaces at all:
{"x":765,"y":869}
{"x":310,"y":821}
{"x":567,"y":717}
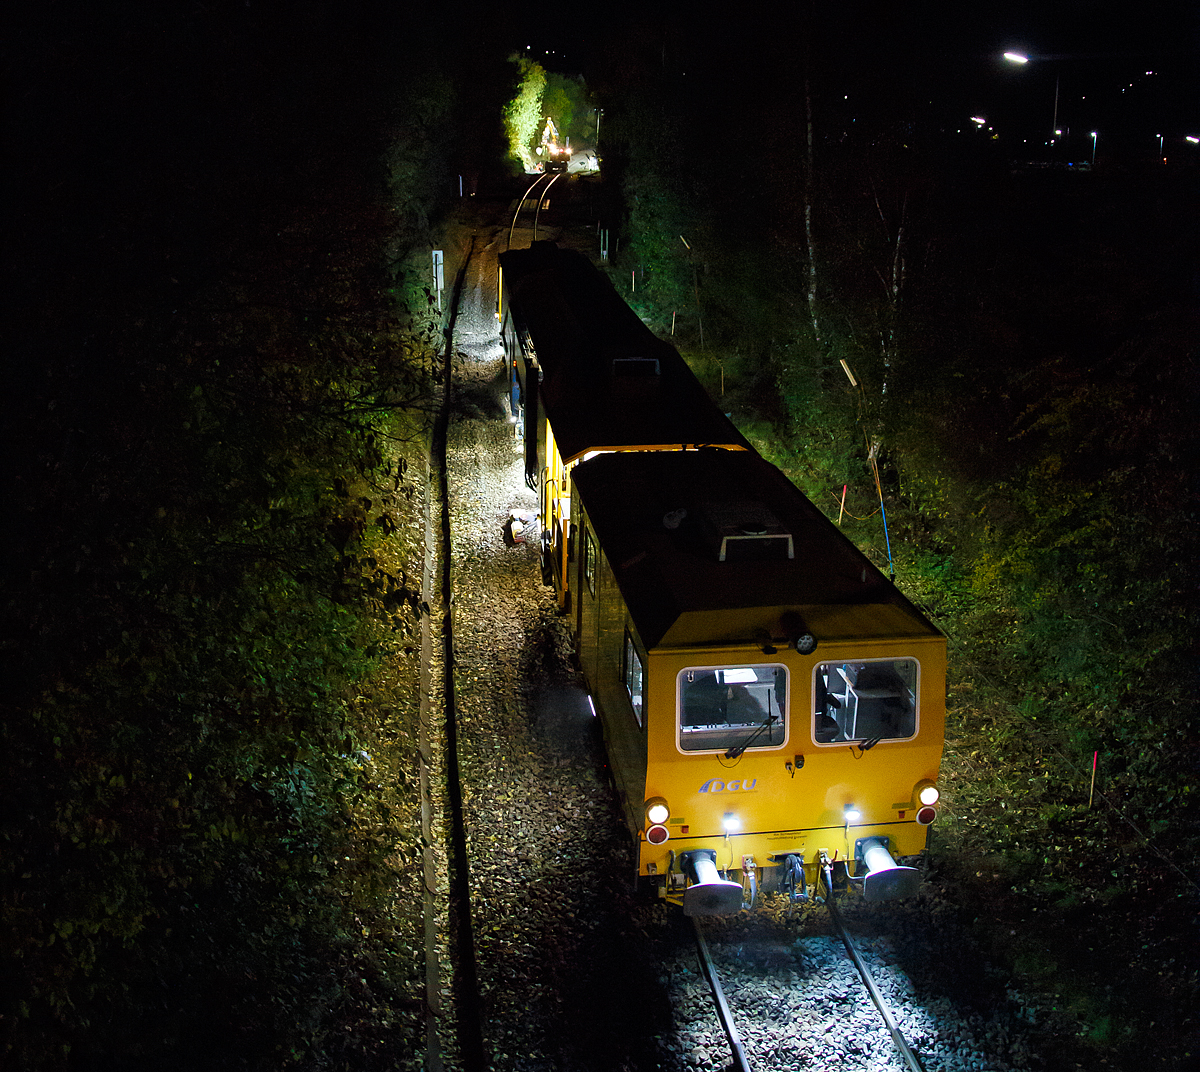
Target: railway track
{"x":908,"y":1058}
{"x":907,"y":1055}
{"x":544,"y":958}
{"x":796,"y":997}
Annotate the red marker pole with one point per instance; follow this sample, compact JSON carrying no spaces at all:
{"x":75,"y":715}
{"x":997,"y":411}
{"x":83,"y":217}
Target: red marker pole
{"x":843,"y":509}
{"x":1092,"y":793}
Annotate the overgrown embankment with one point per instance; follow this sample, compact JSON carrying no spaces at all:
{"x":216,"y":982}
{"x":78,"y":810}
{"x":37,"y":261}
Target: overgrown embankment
{"x":1008,"y":362}
{"x":215,"y":418}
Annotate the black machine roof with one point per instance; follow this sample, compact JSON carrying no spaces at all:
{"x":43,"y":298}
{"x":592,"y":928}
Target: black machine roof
{"x":608,"y":382}
{"x":664,"y":520}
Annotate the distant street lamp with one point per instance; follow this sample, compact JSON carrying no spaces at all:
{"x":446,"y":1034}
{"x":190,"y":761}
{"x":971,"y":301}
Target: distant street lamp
{"x":1016,"y":57}
{"x":1093,"y":148}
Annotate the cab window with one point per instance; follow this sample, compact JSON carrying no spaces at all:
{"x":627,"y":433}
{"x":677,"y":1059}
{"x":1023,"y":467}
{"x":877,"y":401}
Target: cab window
{"x":589,"y":561}
{"x":865,"y":700}
{"x":635,"y":683}
{"x":724,"y":708}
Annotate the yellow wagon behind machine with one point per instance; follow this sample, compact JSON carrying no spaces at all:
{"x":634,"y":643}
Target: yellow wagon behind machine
{"x":587,"y":377}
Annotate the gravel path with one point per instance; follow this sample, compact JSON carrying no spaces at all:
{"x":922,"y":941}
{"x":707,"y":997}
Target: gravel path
{"x":547,"y":854}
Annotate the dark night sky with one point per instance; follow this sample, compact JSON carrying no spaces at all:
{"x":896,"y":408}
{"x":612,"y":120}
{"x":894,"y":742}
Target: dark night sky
{"x":942,"y":60}
{"x":102,"y":105}
{"x":935,"y":59}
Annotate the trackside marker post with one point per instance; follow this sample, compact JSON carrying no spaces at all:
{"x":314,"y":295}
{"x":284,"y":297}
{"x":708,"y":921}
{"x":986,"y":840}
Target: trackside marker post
{"x":439,"y":279}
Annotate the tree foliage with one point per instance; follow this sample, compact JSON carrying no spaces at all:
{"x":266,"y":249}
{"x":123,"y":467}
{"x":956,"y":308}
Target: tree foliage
{"x":523,"y":113}
{"x":1025,"y":366}
{"x":567,"y":100}
{"x":208,"y":825}
{"x":185,"y":755}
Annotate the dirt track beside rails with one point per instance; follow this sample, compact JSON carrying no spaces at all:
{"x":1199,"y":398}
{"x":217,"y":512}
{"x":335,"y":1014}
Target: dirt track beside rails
{"x":558,"y":960}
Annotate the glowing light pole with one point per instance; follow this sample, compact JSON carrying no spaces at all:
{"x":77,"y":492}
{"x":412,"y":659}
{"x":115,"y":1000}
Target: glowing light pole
{"x":1093,"y":148}
{"x":1020,"y":59}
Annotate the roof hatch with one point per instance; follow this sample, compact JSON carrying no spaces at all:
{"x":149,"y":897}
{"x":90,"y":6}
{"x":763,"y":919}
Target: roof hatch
{"x":746,"y":530}
{"x":634,"y":367}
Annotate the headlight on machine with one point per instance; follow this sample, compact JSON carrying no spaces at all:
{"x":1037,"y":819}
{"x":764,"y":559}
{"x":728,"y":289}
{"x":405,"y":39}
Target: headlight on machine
{"x":926,"y":796}
{"x":657,"y":811}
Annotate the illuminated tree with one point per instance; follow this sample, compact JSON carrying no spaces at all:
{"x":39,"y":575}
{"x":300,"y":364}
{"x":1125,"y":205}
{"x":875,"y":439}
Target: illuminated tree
{"x":523,"y":114}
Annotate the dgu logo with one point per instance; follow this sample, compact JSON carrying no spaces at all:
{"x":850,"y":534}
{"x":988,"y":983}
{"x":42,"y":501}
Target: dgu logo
{"x":715,"y":785}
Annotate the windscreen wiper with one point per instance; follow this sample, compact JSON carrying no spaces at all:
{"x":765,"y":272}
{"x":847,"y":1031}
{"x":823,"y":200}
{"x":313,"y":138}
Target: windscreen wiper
{"x":737,"y":750}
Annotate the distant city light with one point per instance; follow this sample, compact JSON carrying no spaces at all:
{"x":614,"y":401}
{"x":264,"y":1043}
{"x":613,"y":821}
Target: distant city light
{"x":978,"y":120}
{"x":1016,"y":57}
{"x":1192,"y":138}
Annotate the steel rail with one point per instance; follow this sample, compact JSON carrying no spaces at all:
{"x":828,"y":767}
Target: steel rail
{"x":521,"y":204}
{"x":541,"y":201}
{"x":911,"y":1060}
{"x":723,"y":1013}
